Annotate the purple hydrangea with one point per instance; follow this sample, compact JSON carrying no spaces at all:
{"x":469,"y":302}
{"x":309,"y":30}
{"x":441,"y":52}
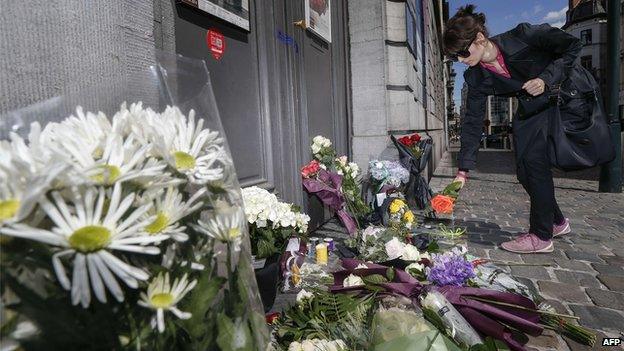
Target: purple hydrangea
{"x":450,"y":268}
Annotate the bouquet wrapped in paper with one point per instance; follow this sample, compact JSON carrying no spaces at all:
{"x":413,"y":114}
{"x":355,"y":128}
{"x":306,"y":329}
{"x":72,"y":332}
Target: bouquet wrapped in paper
{"x":414,"y":153}
{"x":122,"y":223}
{"x":336,"y":183}
{"x":271,"y":222}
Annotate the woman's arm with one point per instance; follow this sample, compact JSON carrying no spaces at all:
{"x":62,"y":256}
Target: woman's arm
{"x":471,"y":128}
{"x":563,"y":46}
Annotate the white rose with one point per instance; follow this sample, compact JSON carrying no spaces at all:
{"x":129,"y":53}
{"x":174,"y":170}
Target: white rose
{"x":304,"y":295}
{"x":318,"y":139}
{"x":410,"y":253}
{"x":352,"y":280}
{"x":394,"y":248}
{"x":316,"y":148}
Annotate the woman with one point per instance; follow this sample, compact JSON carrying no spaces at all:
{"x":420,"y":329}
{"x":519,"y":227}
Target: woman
{"x":524,"y":62}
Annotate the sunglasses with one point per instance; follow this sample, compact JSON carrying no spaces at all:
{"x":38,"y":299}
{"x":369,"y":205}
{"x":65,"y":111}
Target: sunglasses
{"x":465,"y":52}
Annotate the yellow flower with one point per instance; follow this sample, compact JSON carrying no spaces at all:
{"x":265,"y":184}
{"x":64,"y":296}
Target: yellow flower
{"x":408,"y":216}
{"x":396,"y":206}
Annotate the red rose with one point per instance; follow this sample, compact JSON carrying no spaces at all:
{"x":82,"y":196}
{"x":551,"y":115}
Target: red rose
{"x":311,"y":169}
{"x":407,"y":141}
{"x":415,"y":138}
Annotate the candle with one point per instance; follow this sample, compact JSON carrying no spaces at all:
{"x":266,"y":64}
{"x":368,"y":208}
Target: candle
{"x":321,"y":253}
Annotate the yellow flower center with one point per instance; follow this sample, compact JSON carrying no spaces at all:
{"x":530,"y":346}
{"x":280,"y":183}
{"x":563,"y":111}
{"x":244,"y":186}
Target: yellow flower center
{"x":158,"y":224}
{"x":183,"y":161}
{"x":162,"y":300}
{"x":234,"y":233}
{"x":90,"y":238}
{"x":8,"y":209}
{"x":107,"y":174}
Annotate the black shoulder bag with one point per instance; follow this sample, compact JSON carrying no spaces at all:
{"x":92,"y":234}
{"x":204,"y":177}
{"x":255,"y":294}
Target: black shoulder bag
{"x":579,"y":135}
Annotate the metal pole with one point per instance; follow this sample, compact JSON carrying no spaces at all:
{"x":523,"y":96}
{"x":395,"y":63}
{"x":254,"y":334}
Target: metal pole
{"x":611,"y":173}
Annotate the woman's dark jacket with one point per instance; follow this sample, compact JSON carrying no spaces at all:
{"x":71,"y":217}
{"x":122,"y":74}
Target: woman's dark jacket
{"x":530,"y":51}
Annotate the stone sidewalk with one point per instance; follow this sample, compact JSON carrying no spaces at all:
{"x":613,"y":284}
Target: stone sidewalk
{"x":586,"y":272}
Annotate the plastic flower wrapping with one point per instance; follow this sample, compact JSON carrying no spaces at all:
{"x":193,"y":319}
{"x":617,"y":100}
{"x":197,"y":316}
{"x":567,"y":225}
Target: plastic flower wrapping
{"x":387,"y":173}
{"x":126,"y":230}
{"x":271,"y":222}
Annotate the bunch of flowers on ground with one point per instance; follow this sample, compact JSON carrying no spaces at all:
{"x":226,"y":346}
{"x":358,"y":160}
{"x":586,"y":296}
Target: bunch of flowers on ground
{"x":412,"y":142}
{"x":271,"y":222}
{"x":336,"y":182}
{"x":400,"y":215}
{"x":136,"y":219}
{"x":388,"y":174}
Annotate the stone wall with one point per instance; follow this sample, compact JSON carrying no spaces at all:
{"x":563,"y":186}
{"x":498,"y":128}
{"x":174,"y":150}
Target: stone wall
{"x":53,"y":47}
{"x":391,"y":95}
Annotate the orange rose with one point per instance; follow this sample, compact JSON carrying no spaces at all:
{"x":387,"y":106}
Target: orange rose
{"x":442,"y":204}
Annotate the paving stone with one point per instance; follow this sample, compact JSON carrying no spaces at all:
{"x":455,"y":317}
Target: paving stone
{"x":606,"y":298}
{"x":565,"y":292}
{"x":537,"y":273}
{"x":574,"y":265}
{"x":547,"y":340}
{"x":613,"y":282}
{"x":609,"y":269}
{"x":584,"y":256}
{"x":502,"y":255}
{"x":582,"y":279}
{"x":614,"y":260}
{"x":598,"y":317}
{"x":540,"y":259}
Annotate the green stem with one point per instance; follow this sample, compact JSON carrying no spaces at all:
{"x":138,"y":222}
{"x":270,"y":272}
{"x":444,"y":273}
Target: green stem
{"x":230,"y":275}
{"x":523,"y":308}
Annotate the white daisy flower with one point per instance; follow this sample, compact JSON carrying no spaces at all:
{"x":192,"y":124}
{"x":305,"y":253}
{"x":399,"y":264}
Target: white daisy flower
{"x":168,"y":210}
{"x":188,"y":148}
{"x":23,"y":180}
{"x":86,"y":233}
{"x":161,"y":296}
{"x":225,"y":226}
{"x":88,"y":131}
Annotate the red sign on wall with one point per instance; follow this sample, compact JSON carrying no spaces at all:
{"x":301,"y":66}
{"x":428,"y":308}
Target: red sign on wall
{"x":216,"y":43}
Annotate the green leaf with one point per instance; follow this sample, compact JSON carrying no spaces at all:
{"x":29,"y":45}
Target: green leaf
{"x":374,"y":279}
{"x":390,"y":273}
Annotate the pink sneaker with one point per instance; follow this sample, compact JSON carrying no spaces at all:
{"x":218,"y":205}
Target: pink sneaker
{"x":528,"y":243}
{"x":560,"y":229}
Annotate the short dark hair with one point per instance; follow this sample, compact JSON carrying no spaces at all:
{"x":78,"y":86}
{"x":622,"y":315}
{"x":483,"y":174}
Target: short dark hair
{"x":462,"y":28}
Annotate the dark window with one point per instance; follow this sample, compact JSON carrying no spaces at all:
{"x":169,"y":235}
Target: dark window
{"x":586,"y":36}
{"x":586,"y":61}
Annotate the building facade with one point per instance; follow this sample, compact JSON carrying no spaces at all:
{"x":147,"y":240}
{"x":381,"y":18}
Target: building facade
{"x":277,"y":83}
{"x":587,"y":20}
{"x":398,"y":74}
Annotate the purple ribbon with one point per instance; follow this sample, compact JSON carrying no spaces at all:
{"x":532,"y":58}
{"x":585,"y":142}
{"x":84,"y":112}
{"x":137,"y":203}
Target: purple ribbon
{"x":402,"y":284}
{"x":326,"y":187}
{"x":490,"y":319}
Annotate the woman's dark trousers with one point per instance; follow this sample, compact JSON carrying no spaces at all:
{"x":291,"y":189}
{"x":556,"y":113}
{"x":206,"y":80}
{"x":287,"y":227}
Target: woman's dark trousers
{"x":533,"y":169}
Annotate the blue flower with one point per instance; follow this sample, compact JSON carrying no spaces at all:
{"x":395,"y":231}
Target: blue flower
{"x":450,"y":268}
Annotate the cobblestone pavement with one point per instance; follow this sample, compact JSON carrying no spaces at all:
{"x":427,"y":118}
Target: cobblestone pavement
{"x":586,"y":272}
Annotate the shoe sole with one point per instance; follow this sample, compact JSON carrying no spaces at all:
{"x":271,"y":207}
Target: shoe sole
{"x":566,"y":230}
{"x":550,"y":248}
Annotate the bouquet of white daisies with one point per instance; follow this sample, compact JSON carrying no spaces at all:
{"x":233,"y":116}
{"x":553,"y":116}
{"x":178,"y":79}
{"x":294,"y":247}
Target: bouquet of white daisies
{"x":125,"y":233}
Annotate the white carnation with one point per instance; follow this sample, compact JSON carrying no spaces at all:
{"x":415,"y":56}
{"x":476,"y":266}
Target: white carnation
{"x":304,"y":295}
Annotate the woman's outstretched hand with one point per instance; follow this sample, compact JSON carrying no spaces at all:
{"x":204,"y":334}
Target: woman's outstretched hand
{"x":535,"y":86}
{"x":461,"y":177}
